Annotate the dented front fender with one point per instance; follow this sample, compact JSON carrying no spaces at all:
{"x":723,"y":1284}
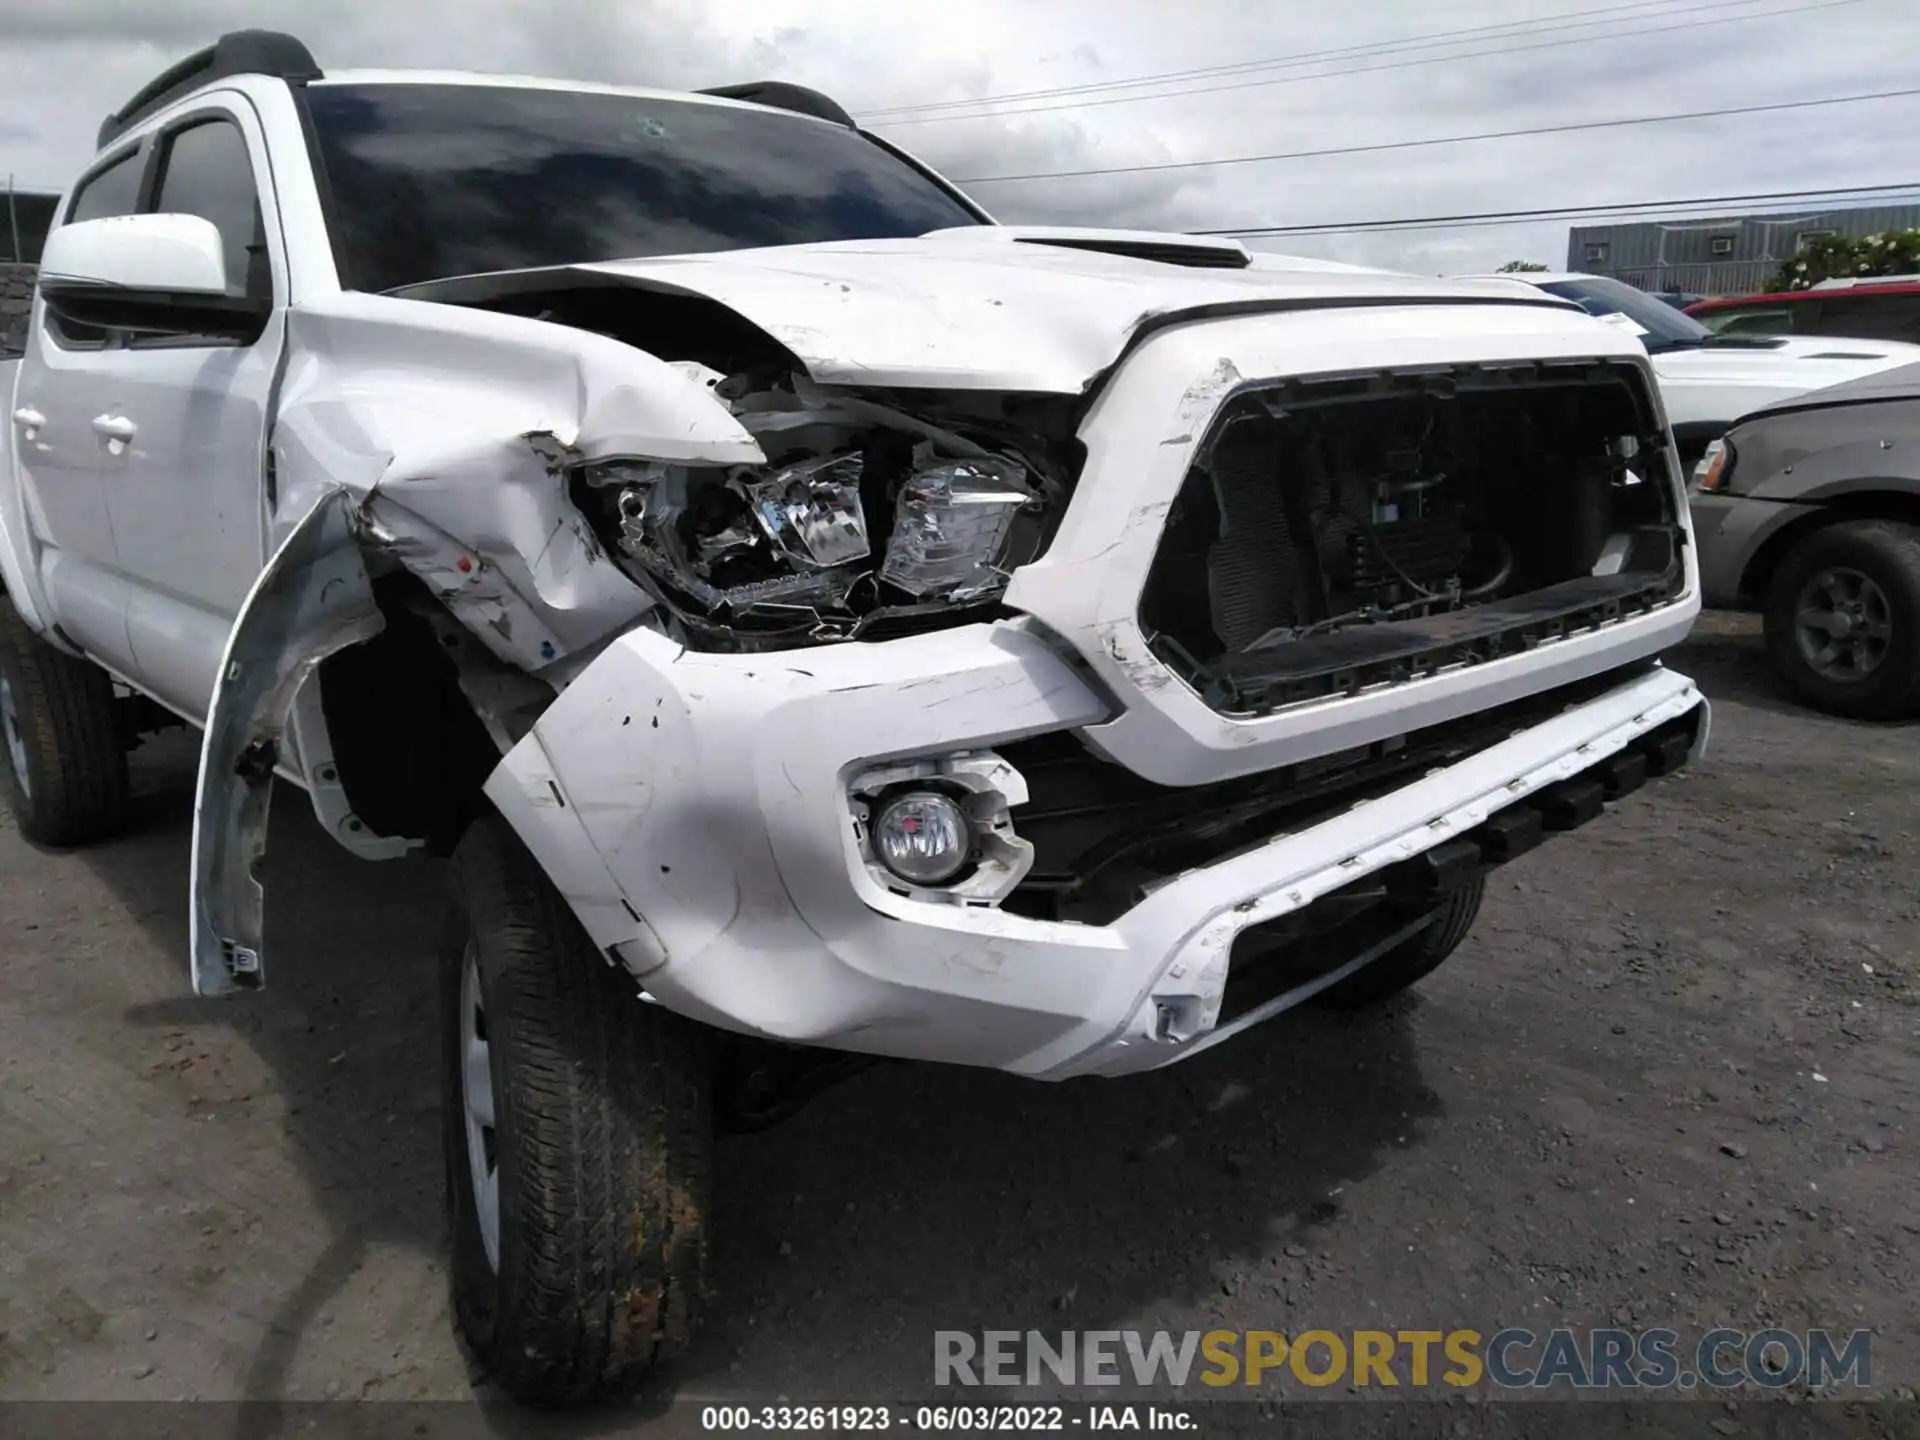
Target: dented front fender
{"x":313,"y":598}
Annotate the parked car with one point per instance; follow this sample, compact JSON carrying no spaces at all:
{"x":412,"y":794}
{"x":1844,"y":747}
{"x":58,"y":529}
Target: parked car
{"x":1809,"y":511}
{"x":1708,"y":381}
{"x":1869,"y":309}
{"x":814,"y":619}
{"x":1678,"y":299}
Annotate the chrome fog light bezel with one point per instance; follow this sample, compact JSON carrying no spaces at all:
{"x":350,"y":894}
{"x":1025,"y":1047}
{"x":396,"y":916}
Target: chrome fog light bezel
{"x":985,"y":788}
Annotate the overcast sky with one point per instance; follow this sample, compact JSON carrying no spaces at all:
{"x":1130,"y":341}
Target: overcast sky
{"x":66,"y":63}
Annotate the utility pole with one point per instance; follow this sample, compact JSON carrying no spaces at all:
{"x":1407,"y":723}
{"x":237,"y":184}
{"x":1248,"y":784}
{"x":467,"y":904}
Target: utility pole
{"x":13,"y":218}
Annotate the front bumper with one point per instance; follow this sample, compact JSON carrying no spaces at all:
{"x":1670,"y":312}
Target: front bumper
{"x":709,"y":795}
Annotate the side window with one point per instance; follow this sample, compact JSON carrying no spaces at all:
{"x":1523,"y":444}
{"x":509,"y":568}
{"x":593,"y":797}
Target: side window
{"x":1876,"y":317}
{"x":204,"y":171}
{"x":112,"y":190}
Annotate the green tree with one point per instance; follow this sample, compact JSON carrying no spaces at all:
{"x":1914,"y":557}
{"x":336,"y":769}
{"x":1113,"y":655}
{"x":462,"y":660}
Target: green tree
{"x":1837,"y":257}
{"x":1516,"y":265}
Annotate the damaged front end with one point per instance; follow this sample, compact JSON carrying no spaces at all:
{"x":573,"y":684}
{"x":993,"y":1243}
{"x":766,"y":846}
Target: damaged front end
{"x":453,"y":552}
{"x":552,"y":510}
{"x":865,"y":517}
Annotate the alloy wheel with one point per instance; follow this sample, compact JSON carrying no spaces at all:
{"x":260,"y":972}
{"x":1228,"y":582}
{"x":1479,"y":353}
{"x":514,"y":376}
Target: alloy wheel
{"x":1843,"y":624}
{"x":476,"y":1089}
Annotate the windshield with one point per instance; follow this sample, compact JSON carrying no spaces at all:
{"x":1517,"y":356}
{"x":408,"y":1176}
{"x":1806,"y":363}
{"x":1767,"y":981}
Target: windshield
{"x":425,"y":182}
{"x":1663,"y":325}
{"x":1749,"y":320}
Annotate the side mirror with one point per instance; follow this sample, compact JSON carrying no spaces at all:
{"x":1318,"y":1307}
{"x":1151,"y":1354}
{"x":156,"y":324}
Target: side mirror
{"x":151,"y":274}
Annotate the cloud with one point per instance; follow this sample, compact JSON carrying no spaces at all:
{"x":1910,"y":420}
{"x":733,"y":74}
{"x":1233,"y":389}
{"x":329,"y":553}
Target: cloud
{"x":66,"y":63}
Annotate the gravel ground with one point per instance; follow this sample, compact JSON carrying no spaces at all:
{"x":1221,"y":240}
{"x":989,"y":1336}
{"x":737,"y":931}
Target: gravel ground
{"x":1670,"y":1080}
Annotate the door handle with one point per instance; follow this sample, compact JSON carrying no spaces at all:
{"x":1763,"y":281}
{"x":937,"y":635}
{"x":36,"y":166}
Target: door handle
{"x":114,"y":427}
{"x":27,"y":418}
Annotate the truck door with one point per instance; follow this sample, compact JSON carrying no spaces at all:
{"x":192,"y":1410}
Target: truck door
{"x":64,"y":438}
{"x":186,"y":495}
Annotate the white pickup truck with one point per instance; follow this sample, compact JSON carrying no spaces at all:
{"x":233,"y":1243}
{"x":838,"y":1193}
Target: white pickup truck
{"x":1707,"y":380}
{"x":815,"y":619}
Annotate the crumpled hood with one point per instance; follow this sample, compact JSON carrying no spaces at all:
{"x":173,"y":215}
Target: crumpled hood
{"x":980,"y":309}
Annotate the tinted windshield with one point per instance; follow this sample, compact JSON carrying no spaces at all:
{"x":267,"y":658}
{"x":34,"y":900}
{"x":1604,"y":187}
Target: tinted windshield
{"x":1663,"y":324}
{"x":431,"y":181}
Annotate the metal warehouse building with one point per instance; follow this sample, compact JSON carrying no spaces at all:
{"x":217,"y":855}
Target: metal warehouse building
{"x":1723,"y":255}
{"x":25,"y":218}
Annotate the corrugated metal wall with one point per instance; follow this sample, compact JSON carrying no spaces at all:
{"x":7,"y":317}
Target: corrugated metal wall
{"x":25,"y":218}
{"x":1718,"y":255}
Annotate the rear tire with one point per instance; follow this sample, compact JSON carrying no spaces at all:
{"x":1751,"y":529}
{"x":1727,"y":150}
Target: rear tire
{"x":1843,"y":620}
{"x":1413,"y":959}
{"x":62,"y":764}
{"x":593,"y":1175}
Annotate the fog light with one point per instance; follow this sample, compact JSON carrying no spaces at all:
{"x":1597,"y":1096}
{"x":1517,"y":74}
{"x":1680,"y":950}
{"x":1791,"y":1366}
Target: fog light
{"x":923,"y":837}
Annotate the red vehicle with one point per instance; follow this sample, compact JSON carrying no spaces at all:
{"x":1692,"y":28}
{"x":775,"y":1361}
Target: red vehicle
{"x":1865,"y":309}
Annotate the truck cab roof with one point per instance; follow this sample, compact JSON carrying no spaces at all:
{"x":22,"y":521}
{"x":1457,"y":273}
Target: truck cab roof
{"x":277,"y":56}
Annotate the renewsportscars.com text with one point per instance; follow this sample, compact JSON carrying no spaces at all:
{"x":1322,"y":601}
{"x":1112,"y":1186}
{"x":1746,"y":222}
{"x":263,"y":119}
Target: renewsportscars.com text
{"x":1512,"y":1358}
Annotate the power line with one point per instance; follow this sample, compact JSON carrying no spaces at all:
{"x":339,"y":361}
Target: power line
{"x":1507,"y":217}
{"x":1372,"y":69}
{"x":1242,"y":67}
{"x":1537,"y":25}
{"x":1444,"y":139}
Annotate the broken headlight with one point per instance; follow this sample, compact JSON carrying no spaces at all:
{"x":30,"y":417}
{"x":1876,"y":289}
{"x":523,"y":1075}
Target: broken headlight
{"x":861,"y":512}
{"x":950,"y":528}
{"x":811,"y":513}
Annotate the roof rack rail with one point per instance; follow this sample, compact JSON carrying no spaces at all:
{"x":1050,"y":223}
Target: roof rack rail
{"x":782,"y":96}
{"x":239,"y":52}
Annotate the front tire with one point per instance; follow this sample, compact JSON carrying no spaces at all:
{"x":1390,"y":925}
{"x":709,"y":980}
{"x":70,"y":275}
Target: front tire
{"x":1414,"y":958}
{"x":62,"y":765}
{"x":578,"y":1132}
{"x":1843,"y":620}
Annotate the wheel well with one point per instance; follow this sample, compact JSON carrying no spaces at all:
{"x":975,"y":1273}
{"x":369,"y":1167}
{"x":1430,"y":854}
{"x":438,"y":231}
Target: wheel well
{"x":410,"y":751}
{"x":1859,"y":505}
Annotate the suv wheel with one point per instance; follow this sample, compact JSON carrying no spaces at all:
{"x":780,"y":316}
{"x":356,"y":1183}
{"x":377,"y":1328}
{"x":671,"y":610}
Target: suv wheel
{"x":1414,"y":958}
{"x":64,"y":769}
{"x":1843,"y":619}
{"x":577,"y":1131}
